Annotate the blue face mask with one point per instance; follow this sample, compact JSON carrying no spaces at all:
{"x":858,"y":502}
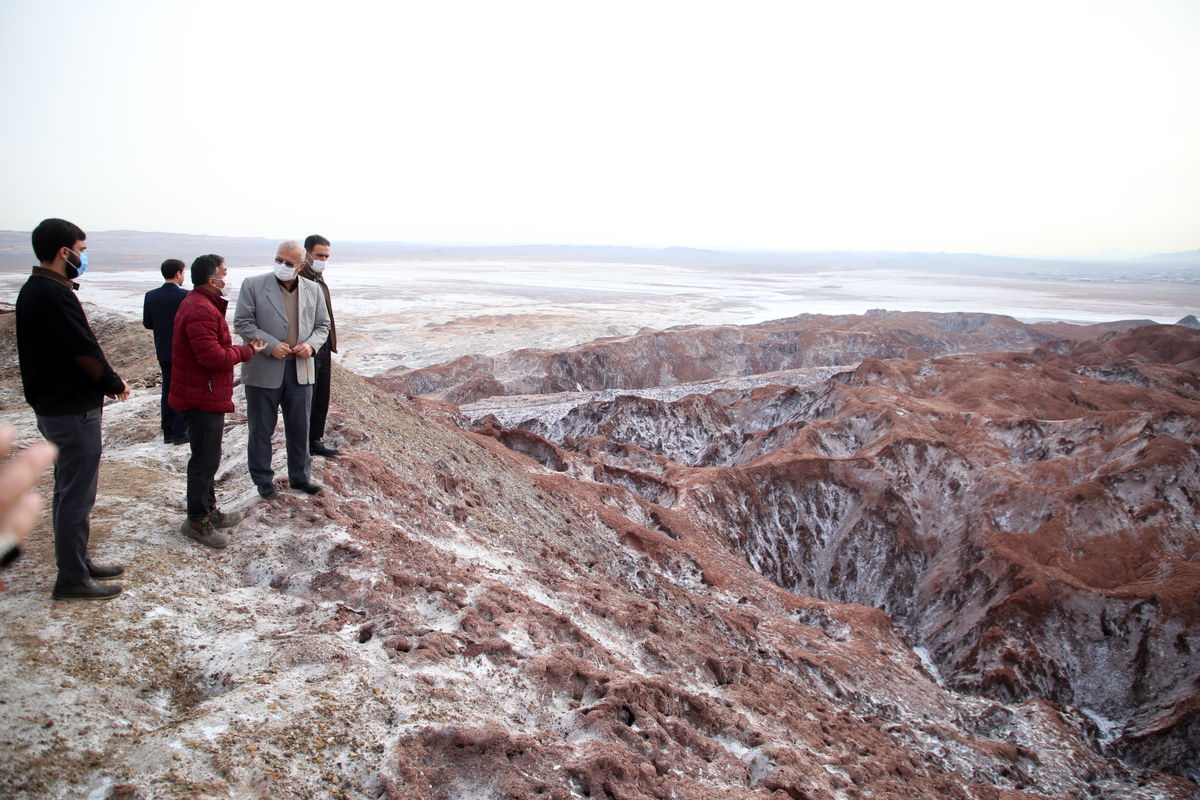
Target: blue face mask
{"x":75,"y":270}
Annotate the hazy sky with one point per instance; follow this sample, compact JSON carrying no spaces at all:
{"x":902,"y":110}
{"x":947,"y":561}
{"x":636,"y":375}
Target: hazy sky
{"x":1045,"y":127}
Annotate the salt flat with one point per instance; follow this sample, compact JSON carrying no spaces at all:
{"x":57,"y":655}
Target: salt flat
{"x":418,"y":312}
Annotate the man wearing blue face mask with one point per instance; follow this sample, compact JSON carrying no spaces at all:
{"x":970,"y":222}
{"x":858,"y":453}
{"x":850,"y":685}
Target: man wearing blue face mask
{"x":287,"y":312}
{"x":66,"y":377}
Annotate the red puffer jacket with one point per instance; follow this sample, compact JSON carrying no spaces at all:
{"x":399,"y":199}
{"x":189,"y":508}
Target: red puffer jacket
{"x":203,"y":355}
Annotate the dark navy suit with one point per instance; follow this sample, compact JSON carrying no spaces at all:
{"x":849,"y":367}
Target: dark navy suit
{"x":158,"y":315}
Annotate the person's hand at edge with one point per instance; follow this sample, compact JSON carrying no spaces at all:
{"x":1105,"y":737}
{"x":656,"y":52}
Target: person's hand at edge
{"x":19,"y":506}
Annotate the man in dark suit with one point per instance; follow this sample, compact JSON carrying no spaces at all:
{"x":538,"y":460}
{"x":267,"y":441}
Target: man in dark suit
{"x":158,"y":315}
{"x":316,"y":258}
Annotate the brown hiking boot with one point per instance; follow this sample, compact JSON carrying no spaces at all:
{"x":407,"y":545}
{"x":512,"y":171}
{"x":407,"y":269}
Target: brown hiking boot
{"x":224,"y":519}
{"x":202,"y":531}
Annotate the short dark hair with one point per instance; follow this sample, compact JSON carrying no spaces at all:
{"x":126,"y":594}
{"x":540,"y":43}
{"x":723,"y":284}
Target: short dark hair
{"x":53,"y":233}
{"x":313,"y":241}
{"x":172,"y":267}
{"x":205,"y":267}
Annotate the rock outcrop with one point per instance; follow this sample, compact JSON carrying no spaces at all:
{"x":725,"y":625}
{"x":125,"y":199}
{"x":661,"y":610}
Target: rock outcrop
{"x":696,"y":353}
{"x":454,"y":618}
{"x":1028,"y":520}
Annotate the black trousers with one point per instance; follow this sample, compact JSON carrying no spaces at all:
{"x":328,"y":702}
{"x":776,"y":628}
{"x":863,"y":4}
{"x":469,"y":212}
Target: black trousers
{"x":320,"y":399}
{"x":173,"y":425}
{"x":76,"y":473}
{"x":205,"y":429}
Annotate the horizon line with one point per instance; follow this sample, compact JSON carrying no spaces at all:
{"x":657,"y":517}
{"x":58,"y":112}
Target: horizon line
{"x":1108,"y":255}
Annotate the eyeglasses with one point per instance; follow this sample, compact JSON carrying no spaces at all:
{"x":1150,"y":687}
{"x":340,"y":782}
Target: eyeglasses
{"x":279,"y":260}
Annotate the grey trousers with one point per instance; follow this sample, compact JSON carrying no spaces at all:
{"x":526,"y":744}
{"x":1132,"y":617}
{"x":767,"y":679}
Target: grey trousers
{"x":76,"y":473}
{"x":262,"y":413}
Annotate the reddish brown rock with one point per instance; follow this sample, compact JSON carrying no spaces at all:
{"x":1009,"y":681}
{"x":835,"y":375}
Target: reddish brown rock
{"x":696,"y":353}
{"x":1030,"y":520}
{"x":452,"y":619}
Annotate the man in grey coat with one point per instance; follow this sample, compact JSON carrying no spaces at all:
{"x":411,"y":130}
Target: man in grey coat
{"x":287,"y":312}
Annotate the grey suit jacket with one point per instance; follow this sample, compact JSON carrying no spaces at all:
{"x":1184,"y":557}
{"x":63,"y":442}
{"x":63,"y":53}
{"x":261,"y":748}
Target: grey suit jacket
{"x":260,"y":315}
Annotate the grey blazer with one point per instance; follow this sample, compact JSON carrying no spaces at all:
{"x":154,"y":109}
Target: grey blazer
{"x":260,"y":315}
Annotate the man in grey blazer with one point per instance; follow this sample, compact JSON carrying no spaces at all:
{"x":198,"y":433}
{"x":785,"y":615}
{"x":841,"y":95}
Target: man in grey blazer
{"x":287,"y":312}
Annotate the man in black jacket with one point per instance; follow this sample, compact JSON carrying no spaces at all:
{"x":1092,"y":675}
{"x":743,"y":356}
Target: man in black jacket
{"x":158,"y":315}
{"x":66,"y":378}
{"x":316,"y":257}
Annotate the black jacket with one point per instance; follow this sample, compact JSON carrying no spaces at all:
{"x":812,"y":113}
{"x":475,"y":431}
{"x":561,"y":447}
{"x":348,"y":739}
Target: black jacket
{"x":63,"y":368}
{"x":158,"y":314}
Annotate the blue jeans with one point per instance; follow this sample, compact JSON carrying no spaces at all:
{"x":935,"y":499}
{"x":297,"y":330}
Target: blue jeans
{"x":76,"y":473}
{"x":262,"y":413}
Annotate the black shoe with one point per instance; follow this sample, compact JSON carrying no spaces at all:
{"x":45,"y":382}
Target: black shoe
{"x":84,"y":591}
{"x":100,"y":573}
{"x":306,"y":486}
{"x":178,"y":440}
{"x":319,"y":448}
{"x":266,"y":490}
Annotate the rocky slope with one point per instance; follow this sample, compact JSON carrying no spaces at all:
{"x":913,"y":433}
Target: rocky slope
{"x":697,"y":353}
{"x":1029,"y":520}
{"x":452,"y":619}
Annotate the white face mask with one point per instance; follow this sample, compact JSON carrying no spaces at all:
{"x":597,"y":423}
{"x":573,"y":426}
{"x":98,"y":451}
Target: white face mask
{"x":284,"y":272}
{"x":318,"y":266}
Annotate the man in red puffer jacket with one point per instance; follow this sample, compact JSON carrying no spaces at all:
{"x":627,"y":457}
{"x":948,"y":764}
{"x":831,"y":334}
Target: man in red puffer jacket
{"x":203,"y":358}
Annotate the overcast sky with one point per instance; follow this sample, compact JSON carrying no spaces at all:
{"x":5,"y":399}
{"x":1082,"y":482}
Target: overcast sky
{"x":1009,"y":127}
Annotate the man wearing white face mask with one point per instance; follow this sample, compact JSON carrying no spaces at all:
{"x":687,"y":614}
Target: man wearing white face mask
{"x":204,"y":356}
{"x":287,"y":312}
{"x":316,"y":258}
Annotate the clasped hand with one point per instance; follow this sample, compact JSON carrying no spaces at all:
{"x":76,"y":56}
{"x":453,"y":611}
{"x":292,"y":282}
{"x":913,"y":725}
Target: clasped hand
{"x":283,"y":350}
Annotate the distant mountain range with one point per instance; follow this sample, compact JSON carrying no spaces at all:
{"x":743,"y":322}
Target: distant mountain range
{"x":143,"y":250}
{"x":1185,"y":257}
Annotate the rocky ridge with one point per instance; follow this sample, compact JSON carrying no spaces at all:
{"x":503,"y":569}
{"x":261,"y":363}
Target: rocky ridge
{"x":1027,"y":519}
{"x":454,"y":619}
{"x":688,"y":354}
